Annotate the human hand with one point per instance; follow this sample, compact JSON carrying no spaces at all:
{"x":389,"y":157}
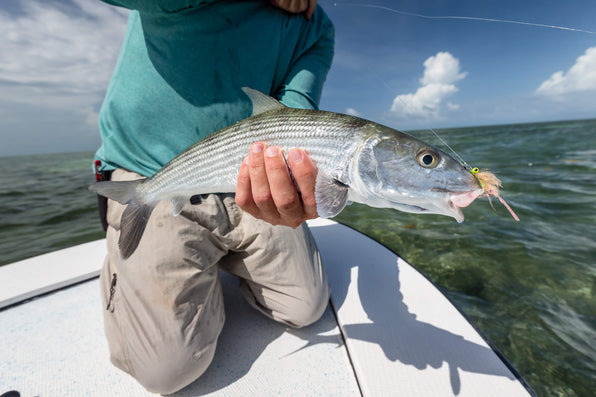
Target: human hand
{"x":266,"y":191}
{"x":297,"y":6}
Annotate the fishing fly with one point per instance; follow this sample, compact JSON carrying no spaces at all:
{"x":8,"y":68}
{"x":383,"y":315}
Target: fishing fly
{"x":490,"y":185}
{"x":488,"y":181}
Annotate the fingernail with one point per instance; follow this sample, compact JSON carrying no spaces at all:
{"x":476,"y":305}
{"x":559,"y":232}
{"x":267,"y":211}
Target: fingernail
{"x":295,"y":156}
{"x":271,"y":151}
{"x":245,"y":161}
{"x":257,"y":148}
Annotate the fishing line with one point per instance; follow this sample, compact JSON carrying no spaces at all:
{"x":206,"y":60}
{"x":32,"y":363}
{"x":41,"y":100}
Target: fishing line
{"x":458,"y":17}
{"x":458,"y":157}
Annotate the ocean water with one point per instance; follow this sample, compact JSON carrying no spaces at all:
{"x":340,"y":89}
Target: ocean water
{"x":530,"y":286}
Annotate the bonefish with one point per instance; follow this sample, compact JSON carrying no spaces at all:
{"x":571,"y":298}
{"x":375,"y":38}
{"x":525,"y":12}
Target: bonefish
{"x":357,"y":161}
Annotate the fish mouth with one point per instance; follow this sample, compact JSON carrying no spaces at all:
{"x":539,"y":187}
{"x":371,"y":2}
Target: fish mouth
{"x":446,"y":202}
{"x":460,"y":200}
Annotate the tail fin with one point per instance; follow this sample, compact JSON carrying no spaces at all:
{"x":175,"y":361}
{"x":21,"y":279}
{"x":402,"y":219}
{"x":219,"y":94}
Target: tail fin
{"x":120,"y":191}
{"x":135,"y":215}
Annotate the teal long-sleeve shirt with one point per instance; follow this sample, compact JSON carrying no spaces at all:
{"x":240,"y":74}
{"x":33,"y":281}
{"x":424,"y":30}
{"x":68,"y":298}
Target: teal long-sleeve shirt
{"x":183,"y":62}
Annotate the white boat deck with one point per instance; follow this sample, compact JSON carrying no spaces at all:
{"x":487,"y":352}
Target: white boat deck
{"x":402,"y":336}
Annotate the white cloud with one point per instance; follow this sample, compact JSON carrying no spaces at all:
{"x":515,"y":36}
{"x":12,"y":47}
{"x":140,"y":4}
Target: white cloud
{"x":441,"y":72}
{"x":56,"y":59}
{"x":50,"y":48}
{"x":442,"y":68}
{"x":580,"y":77}
{"x":353,"y":112}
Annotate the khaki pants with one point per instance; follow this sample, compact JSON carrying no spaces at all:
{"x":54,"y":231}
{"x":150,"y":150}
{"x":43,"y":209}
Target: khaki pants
{"x":163,"y":306}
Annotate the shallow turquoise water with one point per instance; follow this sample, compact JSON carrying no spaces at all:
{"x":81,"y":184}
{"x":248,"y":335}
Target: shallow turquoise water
{"x":529,"y":285}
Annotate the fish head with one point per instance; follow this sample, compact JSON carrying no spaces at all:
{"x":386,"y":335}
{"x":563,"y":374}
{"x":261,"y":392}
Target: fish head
{"x":395,"y":170}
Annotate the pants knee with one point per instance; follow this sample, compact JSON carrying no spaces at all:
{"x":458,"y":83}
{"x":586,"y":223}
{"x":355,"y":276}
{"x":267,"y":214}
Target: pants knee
{"x":310,"y":315}
{"x":297,"y":308}
{"x":173,"y":370}
{"x":308,"y":310}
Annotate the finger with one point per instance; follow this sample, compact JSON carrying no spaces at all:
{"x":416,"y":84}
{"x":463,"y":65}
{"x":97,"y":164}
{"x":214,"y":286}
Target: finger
{"x":282,"y":188}
{"x":298,"y":6}
{"x":312,"y":5}
{"x":302,"y":6}
{"x":292,"y":6}
{"x":283,"y":4}
{"x":244,"y":190}
{"x":305,"y":175}
{"x":261,"y":193}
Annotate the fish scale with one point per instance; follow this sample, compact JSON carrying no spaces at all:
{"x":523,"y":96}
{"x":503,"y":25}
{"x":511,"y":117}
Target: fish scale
{"x":319,"y":134}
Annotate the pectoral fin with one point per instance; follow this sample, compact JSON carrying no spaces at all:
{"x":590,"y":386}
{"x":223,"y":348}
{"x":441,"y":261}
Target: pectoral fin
{"x":331,"y":195}
{"x":178,"y":204}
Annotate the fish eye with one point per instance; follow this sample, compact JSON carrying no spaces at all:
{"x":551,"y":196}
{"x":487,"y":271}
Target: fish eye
{"x":427,"y":158}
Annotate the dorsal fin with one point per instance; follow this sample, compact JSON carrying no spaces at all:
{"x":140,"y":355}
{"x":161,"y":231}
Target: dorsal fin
{"x":261,"y":103}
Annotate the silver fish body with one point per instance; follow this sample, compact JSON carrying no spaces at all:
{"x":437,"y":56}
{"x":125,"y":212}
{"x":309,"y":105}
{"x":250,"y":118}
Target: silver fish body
{"x":357,"y":160}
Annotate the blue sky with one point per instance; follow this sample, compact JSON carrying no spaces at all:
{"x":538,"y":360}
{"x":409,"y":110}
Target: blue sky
{"x":403,"y":70}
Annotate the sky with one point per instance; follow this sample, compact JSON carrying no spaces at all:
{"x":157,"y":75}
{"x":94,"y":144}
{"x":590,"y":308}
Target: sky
{"x":407,"y":64}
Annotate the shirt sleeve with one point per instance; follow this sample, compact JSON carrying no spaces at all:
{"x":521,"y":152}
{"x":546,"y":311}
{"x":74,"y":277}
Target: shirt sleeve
{"x":303,"y":84}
